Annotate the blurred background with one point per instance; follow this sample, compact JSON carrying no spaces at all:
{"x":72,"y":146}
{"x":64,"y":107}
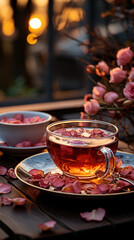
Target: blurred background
{"x":40,"y":60}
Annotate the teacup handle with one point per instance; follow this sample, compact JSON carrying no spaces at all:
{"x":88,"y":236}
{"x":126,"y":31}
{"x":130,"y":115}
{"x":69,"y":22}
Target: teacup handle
{"x":109,"y":157}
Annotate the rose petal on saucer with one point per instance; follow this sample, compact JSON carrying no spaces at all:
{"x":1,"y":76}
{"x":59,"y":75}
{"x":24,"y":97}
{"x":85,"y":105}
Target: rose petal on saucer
{"x":44,"y":183}
{"x":68,"y":188}
{"x":131,"y":175}
{"x":19,"y":201}
{"x":76,"y":186}
{"x":6,"y":201}
{"x":126,"y":170}
{"x":3,"y":170}
{"x":57,"y":182}
{"x":118,"y":162}
{"x":36,"y":173}
{"x":5,"y":188}
{"x":95,"y":215}
{"x":103,"y":187}
{"x":47,"y":225}
{"x":113,"y":188}
{"x":123,"y":184}
{"x":10,"y":173}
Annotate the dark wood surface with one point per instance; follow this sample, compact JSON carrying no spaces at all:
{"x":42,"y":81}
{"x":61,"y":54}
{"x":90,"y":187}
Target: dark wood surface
{"x":20,"y":222}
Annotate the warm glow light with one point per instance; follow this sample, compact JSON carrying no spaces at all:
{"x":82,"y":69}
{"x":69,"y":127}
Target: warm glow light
{"x":38,"y":23}
{"x":35,"y":23}
{"x":73,"y":14}
{"x":8,"y":27}
{"x":40,"y":3}
{"x":32,"y":38}
{"x":22,"y":3}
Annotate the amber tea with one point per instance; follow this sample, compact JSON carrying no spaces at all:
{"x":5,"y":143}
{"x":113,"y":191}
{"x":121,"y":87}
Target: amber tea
{"x":78,"y":150}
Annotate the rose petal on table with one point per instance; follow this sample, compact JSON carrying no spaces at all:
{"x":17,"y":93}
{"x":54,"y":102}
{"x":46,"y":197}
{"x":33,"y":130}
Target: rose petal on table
{"x":47,"y":225}
{"x":10,"y":173}
{"x":126,"y":170}
{"x":5,"y":188}
{"x":5,"y":201}
{"x":95,"y":215}
{"x":36,"y":173}
{"x":18,"y":201}
{"x":3,"y":170}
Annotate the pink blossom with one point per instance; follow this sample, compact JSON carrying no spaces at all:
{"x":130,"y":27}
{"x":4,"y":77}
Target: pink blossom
{"x":131,"y":75}
{"x":124,"y":56}
{"x":95,"y":215}
{"x":110,"y":97}
{"x":102,"y":68}
{"x":92,"y":107}
{"x":117,"y":75}
{"x":129,"y":91}
{"x":98,"y":92}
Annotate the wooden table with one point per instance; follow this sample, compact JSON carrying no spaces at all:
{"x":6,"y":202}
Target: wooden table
{"x":20,"y":222}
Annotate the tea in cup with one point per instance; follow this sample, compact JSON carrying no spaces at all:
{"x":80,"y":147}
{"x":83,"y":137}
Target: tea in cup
{"x":82,"y":148}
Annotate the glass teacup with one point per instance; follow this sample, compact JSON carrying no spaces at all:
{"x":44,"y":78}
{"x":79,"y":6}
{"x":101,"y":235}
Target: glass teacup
{"x":83,"y":148}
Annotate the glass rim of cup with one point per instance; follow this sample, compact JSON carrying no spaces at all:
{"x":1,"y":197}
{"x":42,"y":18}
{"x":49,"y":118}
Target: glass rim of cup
{"x":80,"y":120}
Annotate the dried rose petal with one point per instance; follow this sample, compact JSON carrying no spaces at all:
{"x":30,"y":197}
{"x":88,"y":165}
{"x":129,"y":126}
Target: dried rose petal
{"x":122,"y":183}
{"x":44,"y":183}
{"x":5,"y":201}
{"x":68,"y":188}
{"x":36,"y":173}
{"x":113,"y":188}
{"x":131,"y":175}
{"x":74,"y":187}
{"x":5,"y":188}
{"x":95,"y":215}
{"x":126,"y":170}
{"x":19,"y":201}
{"x":3,"y":170}
{"x":47,"y":225}
{"x":118,"y":162}
{"x":57,"y":182}
{"x":10,"y":173}
{"x":103,"y":187}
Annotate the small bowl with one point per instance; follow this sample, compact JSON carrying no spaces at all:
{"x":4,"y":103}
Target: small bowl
{"x":13,"y":133}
